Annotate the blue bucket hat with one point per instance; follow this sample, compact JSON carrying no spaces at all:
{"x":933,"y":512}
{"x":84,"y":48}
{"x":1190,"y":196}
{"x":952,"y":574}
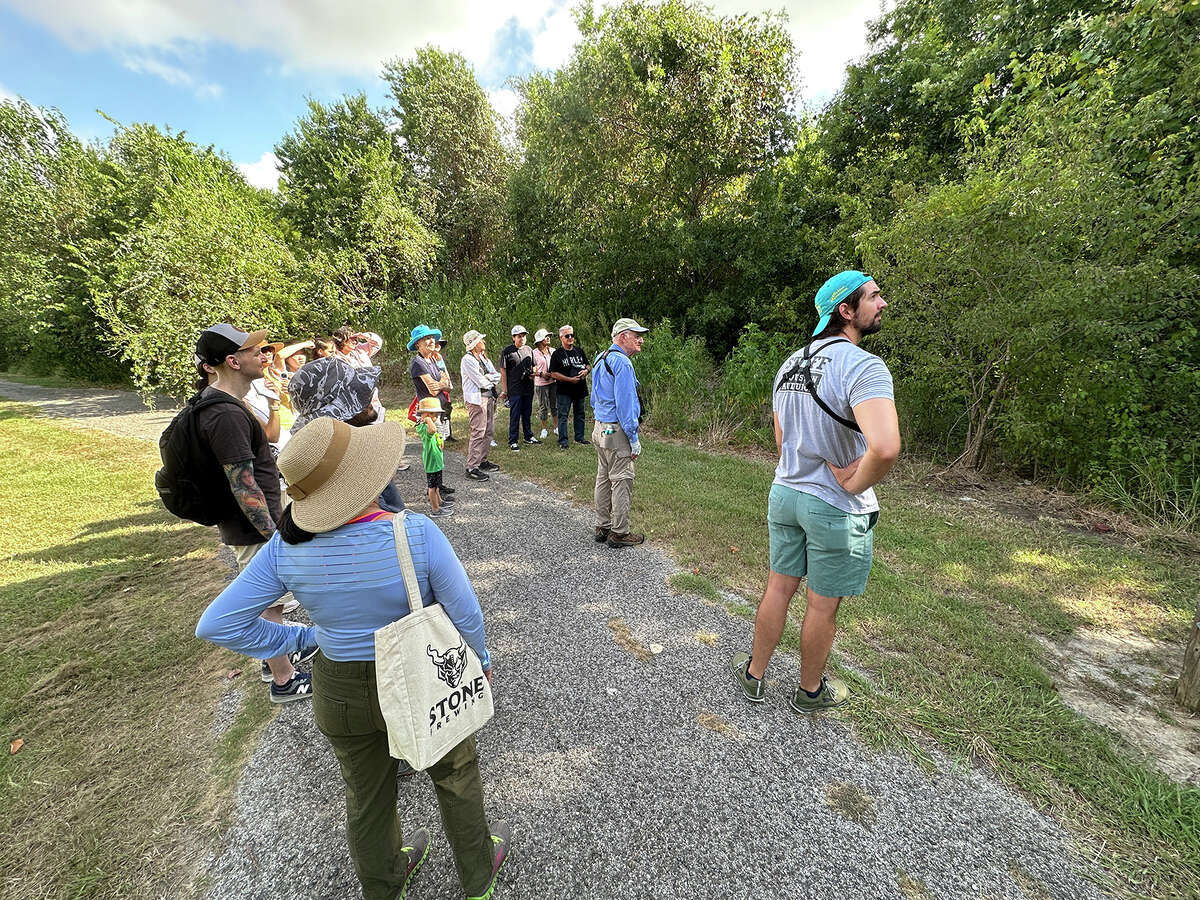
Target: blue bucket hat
{"x":834,"y":291}
{"x":420,"y":332}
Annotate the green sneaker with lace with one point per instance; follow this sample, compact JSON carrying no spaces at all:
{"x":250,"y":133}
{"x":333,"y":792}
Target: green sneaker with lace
{"x":752,"y":688}
{"x":417,"y":851}
{"x":501,"y":844}
{"x":833,"y":692}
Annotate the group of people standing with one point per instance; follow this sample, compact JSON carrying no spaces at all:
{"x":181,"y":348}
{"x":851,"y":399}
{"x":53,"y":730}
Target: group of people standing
{"x":334,"y":547}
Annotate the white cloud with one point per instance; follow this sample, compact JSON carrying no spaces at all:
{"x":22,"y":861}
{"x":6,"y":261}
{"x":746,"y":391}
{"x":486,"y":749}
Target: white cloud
{"x":331,"y":34}
{"x":262,"y":174}
{"x":355,"y":36}
{"x":147,"y":64}
{"x":504,"y":101}
{"x":552,"y":44}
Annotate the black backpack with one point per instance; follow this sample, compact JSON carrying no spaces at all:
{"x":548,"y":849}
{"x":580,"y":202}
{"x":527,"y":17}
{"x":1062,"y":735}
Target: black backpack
{"x":191,"y":483}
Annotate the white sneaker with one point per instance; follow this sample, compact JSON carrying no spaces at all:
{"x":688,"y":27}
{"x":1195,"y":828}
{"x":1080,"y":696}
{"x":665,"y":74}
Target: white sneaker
{"x":543,"y":434}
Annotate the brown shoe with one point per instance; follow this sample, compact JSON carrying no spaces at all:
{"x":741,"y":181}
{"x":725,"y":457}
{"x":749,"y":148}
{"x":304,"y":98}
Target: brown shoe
{"x":629,"y":539}
{"x":601,"y":535}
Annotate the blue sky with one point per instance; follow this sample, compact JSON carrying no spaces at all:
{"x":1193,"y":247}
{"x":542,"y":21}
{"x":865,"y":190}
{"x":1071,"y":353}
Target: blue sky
{"x":235,"y":73}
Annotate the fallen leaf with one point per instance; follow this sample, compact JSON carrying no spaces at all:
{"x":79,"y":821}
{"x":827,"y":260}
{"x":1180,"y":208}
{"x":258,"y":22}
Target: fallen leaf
{"x":696,"y":571}
{"x":1102,"y":527}
{"x":15,"y":746}
{"x":733,"y":549}
{"x":233,"y":673}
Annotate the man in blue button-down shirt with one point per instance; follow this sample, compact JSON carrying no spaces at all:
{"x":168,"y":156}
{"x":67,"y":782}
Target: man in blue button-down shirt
{"x":617,"y":408}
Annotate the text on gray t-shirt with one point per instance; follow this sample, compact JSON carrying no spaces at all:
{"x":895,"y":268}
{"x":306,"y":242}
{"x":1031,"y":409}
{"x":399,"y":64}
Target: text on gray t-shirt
{"x":844,"y":376}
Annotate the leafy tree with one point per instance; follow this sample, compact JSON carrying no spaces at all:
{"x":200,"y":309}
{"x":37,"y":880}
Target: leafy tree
{"x":451,"y":143}
{"x":47,"y":193}
{"x":202,"y":247}
{"x":344,"y":187}
{"x":639,"y":151}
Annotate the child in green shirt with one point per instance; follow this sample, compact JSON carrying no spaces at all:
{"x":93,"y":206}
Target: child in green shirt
{"x":429,"y":409}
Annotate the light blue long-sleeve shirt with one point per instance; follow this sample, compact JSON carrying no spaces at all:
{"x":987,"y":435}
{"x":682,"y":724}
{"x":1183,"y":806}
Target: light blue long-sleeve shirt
{"x":350,"y":583}
{"x":614,"y":397}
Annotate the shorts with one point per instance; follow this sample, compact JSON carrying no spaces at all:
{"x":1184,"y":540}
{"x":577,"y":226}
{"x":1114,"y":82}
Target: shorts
{"x":811,"y":538}
{"x":434,"y":479}
{"x":547,"y":399}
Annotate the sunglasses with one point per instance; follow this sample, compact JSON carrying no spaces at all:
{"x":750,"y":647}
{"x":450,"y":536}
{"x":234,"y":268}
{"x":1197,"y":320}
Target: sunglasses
{"x":568,"y":337}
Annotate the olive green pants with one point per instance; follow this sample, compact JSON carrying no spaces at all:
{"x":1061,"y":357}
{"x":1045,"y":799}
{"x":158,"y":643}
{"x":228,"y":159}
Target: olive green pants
{"x":346,"y":709}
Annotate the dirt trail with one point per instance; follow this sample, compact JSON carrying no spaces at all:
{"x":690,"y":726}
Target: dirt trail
{"x":620,"y":752}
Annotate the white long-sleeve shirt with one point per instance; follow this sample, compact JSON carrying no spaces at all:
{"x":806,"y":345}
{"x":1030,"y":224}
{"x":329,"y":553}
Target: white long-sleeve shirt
{"x":478,"y":375}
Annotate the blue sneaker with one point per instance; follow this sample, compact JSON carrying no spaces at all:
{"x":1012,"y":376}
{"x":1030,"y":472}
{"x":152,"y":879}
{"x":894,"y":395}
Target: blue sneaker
{"x":298,"y":688}
{"x":300,"y":656}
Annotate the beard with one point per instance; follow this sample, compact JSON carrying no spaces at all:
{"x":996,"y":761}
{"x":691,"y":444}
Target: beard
{"x":876,"y":325}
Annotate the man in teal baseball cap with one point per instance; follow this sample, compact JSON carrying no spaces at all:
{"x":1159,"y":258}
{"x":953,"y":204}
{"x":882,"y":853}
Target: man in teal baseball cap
{"x":838,"y":436}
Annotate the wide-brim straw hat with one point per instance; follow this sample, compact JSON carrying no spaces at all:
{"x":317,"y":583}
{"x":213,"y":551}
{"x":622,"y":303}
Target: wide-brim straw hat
{"x":334,"y":470}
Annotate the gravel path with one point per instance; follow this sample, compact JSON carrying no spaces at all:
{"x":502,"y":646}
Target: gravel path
{"x":628,"y":774}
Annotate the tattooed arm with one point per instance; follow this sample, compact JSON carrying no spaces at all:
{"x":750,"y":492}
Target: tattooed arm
{"x":249,"y":496}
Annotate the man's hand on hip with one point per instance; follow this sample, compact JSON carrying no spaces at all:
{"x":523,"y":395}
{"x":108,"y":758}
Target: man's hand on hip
{"x":843,"y":474}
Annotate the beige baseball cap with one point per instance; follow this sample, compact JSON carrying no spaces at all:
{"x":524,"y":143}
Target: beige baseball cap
{"x":626,"y":325}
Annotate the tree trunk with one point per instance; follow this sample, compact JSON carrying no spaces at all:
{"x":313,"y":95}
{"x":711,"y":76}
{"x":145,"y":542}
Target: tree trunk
{"x":1187,"y":691}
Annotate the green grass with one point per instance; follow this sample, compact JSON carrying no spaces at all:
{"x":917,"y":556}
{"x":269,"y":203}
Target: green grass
{"x":120,"y":780}
{"x":941,"y":648}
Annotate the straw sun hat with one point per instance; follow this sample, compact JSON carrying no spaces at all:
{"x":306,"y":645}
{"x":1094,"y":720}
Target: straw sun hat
{"x":334,"y":471}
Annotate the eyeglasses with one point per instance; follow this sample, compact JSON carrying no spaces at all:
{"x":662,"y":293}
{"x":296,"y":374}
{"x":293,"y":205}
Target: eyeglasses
{"x":568,"y":337}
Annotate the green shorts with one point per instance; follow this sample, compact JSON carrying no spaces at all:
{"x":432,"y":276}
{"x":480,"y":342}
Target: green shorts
{"x":810,"y":537}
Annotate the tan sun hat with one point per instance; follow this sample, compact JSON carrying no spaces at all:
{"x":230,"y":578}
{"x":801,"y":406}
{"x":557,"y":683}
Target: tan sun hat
{"x":334,"y":471}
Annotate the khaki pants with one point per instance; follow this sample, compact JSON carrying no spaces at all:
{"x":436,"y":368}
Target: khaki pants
{"x":614,"y":478}
{"x":482,"y":418}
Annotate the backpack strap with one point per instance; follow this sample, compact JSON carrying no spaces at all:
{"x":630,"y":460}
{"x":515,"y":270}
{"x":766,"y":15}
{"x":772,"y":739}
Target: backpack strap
{"x":804,"y":371}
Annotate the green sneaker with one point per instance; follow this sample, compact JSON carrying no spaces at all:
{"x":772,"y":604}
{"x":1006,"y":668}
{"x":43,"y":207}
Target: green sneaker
{"x":752,"y":688}
{"x":833,"y":693}
{"x":501,"y":844}
{"x":417,"y":852}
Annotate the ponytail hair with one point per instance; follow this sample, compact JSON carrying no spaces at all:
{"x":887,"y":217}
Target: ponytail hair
{"x":290,"y":532}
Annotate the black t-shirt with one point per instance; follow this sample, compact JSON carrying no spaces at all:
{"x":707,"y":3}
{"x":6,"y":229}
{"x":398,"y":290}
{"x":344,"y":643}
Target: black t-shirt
{"x":518,"y":369}
{"x":571,"y":363}
{"x":233,"y":436}
{"x":422,"y":366}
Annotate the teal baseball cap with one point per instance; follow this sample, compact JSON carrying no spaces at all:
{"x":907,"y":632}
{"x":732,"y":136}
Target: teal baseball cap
{"x":834,"y":291}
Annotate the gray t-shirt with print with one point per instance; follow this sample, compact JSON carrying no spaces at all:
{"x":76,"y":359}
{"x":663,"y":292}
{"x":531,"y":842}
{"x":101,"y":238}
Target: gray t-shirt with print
{"x":844,"y":376}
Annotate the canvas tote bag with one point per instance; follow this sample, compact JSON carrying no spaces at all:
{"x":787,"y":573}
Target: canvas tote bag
{"x":432,"y":690}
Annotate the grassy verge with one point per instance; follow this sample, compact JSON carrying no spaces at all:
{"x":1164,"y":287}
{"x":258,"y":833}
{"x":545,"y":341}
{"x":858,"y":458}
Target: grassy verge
{"x":942,"y":648}
{"x":120,"y":781}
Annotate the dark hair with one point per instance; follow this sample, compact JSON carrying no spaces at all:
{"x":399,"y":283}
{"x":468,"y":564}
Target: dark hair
{"x":290,"y":532}
{"x":343,"y":335}
{"x":836,"y":321}
{"x":202,"y":377}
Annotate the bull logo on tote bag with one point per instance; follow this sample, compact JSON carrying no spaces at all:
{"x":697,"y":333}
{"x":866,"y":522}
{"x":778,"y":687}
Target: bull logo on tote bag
{"x":451,"y":664}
